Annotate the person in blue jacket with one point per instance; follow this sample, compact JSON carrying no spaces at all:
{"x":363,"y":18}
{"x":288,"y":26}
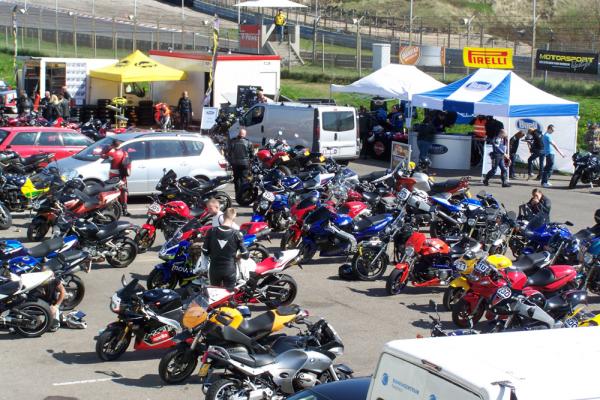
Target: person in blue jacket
{"x":499,"y":159}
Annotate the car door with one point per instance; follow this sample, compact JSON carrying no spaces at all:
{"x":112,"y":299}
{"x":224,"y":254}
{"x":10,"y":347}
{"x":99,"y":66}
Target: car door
{"x":23,"y":143}
{"x":137,"y":182}
{"x":169,"y":154}
{"x":73,"y":143}
{"x":254,"y":121}
{"x":51,"y":142}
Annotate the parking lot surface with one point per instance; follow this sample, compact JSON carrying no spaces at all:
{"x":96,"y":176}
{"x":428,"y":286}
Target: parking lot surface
{"x":63,"y":365}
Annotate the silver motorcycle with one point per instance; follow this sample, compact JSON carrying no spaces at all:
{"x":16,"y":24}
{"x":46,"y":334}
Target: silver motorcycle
{"x":277,"y":374}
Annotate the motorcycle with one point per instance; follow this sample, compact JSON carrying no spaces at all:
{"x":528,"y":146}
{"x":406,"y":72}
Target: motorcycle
{"x":17,"y":191}
{"x":94,"y":128}
{"x":12,"y":163}
{"x":587,"y":169}
{"x":28,"y":318}
{"x":589,"y":274}
{"x":193,"y":191}
{"x":149,"y":317}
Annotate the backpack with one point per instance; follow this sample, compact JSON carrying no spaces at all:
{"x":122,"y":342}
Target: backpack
{"x":126,"y":165}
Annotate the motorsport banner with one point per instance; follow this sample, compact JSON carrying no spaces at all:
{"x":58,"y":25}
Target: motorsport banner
{"x":429,"y":56}
{"x":562,"y":61}
{"x":498,"y":58}
{"x":213,"y":65}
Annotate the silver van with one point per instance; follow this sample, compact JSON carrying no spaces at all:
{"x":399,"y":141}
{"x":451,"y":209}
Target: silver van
{"x":330,"y":130}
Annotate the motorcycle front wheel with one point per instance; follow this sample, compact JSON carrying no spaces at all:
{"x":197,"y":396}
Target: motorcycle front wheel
{"x":224,"y":200}
{"x":111,"y":344}
{"x":145,"y":240}
{"x":177,"y":365}
{"x":395,"y":282}
{"x":225,"y":389}
{"x":39,"y":313}
{"x":462,"y":315}
{"x":574,"y":179}
{"x":258,"y":252}
{"x":126,"y":252}
{"x":288,"y":242}
{"x":156,"y":280}
{"x":452,"y":295}
{"x":280,"y":291}
{"x":365,"y":268}
{"x":37,"y":230}
{"x":245,"y":196}
{"x":5,"y":217}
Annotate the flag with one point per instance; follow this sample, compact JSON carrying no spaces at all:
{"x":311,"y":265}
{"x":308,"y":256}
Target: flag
{"x":215,"y":47}
{"x":14,"y":29}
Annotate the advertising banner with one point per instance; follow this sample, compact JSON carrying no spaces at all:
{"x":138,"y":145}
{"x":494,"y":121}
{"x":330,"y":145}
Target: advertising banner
{"x":562,"y":61}
{"x":400,"y":154}
{"x":497,"y":58}
{"x":250,"y":38}
{"x":427,"y":56}
{"x":209,"y":117}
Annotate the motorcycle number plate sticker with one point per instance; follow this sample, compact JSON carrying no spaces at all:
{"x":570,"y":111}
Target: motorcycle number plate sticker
{"x":482,"y":267}
{"x":403,"y":195}
{"x":154,"y":207}
{"x":571,"y":323}
{"x":204,"y":370}
{"x":285,"y":158}
{"x":504,"y":292}
{"x":270,"y":196}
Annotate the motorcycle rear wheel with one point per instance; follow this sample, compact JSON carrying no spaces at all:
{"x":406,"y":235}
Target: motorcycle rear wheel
{"x":280,"y":292}
{"x":224,"y":389}
{"x":224,"y":200}
{"x":462,"y":315}
{"x":75,"y":291}
{"x":452,"y":295}
{"x":144,"y":240}
{"x":127,"y":252}
{"x":362,"y":268}
{"x":288,"y":242}
{"x":5,"y":218}
{"x":108,"y":347}
{"x":395,"y":284}
{"x":37,"y":230}
{"x":177,"y":365}
{"x":258,"y":252}
{"x":41,"y":312}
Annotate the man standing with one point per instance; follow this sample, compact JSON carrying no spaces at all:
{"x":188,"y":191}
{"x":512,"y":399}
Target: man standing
{"x":592,"y":139}
{"x":221,"y":246}
{"x":513,"y":147}
{"x":549,"y":148}
{"x":45,"y":105}
{"x":260,"y":97}
{"x":24,"y":104}
{"x":66,"y":94}
{"x":65,"y":109}
{"x":498,"y":156}
{"x":240,"y":154}
{"x":536,"y":149}
{"x":280,"y":25}
{"x":425,"y":137}
{"x":120,"y":166}
{"x":185,"y":110}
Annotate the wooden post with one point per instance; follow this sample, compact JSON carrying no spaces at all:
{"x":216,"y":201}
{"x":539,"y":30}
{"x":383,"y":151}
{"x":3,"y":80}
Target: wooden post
{"x":323,"y":51}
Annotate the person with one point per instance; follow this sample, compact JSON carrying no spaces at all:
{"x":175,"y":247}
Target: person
{"x":185,"y":110}
{"x":240,"y":154}
{"x":396,"y":119}
{"x":492,"y":128}
{"x":364,"y":126}
{"x":162,"y":116}
{"x":549,"y":149}
{"x":120,"y":166}
{"x":64,"y":108}
{"x":24,"y":104}
{"x":280,"y":25}
{"x":45,"y":105}
{"x":59,"y":294}
{"x":592,"y":139}
{"x":479,"y":126}
{"x":513,"y":147}
{"x":539,"y":207}
{"x":425,"y":137}
{"x":66,"y":95}
{"x":260,"y":97}
{"x":53,"y":109}
{"x":536,"y":150}
{"x":499,"y":158}
{"x":221,"y":246}
{"x":214,"y":209}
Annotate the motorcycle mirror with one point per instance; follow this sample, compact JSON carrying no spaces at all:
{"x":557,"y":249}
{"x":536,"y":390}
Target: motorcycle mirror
{"x":432,"y":305}
{"x":280,"y":133}
{"x":123,"y":281}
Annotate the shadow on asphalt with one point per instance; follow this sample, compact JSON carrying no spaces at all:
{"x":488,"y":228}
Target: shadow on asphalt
{"x":371,"y":292}
{"x":90,"y":357}
{"x":151,"y":381}
{"x":428,"y":324}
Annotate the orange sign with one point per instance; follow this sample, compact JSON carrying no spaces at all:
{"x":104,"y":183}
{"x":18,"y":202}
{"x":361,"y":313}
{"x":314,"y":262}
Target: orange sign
{"x":497,"y":58}
{"x":431,"y":56}
{"x":410,"y":55}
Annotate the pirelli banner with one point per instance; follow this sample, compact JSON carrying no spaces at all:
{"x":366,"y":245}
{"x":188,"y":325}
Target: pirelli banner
{"x":561,"y":61}
{"x":498,"y":58}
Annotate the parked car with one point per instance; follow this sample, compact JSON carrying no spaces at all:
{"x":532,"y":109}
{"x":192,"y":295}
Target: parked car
{"x":30,"y":140}
{"x":348,"y":389}
{"x":185,"y":153}
{"x":8,"y":100}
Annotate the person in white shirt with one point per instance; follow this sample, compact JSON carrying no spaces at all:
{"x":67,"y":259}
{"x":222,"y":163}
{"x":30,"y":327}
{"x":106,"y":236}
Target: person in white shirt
{"x":214,"y":208}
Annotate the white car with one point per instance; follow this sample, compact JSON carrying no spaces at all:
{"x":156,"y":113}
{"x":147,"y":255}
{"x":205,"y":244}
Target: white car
{"x":187,"y":154}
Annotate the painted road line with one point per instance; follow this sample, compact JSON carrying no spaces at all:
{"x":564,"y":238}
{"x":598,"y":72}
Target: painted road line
{"x":87,"y":381}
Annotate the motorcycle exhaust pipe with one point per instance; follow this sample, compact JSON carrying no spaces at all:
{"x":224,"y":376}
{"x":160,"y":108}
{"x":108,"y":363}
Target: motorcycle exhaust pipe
{"x":447,"y":218}
{"x":12,"y":322}
{"x":345,"y":235}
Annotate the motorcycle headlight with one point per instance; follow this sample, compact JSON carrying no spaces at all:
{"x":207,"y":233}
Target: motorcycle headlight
{"x":588,"y":258}
{"x":409,"y":251}
{"x":338,"y":351}
{"x":36,"y":205}
{"x":264,"y":204}
{"x":115,"y":303}
{"x":471,"y":221}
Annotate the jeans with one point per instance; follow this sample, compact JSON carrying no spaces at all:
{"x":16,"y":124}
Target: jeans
{"x":185,"y":120}
{"x":548,"y":168}
{"x":424,"y":146}
{"x":511,"y":169}
{"x":239,"y":175}
{"x":279,"y":29}
{"x":532,"y":158}
{"x":497,"y":162}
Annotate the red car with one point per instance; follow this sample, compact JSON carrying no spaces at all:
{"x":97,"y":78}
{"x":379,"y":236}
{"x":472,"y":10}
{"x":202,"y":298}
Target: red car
{"x":30,"y":140}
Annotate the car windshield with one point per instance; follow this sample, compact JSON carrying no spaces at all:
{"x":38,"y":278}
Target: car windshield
{"x":88,"y":154}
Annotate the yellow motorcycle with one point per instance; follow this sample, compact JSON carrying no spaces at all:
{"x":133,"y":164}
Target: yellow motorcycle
{"x":581,"y":318}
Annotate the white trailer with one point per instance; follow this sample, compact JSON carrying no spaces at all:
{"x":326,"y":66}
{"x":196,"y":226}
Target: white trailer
{"x":232,"y":70}
{"x":545,"y":364}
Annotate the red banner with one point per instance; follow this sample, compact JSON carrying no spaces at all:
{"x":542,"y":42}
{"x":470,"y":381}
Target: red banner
{"x":250,"y":37}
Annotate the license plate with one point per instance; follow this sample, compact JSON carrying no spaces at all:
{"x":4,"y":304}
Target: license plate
{"x":285,"y":158}
{"x":330,"y":151}
{"x":204,"y":370}
{"x":269,"y":196}
{"x":571,"y":323}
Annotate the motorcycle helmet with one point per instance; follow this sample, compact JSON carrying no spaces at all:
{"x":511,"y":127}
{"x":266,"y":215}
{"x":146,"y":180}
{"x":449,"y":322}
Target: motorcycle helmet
{"x":424,"y":164}
{"x":346,"y":272}
{"x":597,"y":216}
{"x":73,"y":320}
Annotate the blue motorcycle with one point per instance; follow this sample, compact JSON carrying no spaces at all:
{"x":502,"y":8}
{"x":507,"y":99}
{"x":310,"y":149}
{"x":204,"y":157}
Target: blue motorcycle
{"x":552,"y":237}
{"x":335,"y":235}
{"x":589,"y":275}
{"x":14,"y":252}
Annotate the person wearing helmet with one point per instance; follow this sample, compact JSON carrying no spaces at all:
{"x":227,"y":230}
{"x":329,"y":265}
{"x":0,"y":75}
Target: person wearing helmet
{"x":120,"y":166}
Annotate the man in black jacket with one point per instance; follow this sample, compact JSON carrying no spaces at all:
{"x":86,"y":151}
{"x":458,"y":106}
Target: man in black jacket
{"x":513,"y":147}
{"x":45,"y":105}
{"x":24,"y":104}
{"x":240,"y":154}
{"x":536,"y":148}
{"x":221,"y":247}
{"x":540,"y":207}
{"x":185,"y":110}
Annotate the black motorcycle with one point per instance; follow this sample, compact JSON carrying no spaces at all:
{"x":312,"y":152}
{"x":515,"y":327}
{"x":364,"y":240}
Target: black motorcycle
{"x":193,"y":191}
{"x":12,"y":163}
{"x":587,"y":169}
{"x":95,"y":128}
{"x":111,"y":242}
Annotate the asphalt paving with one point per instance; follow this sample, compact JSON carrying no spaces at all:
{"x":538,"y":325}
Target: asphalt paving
{"x":63,"y":365}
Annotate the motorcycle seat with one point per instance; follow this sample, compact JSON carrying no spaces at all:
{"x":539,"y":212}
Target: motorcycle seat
{"x":459,"y":248}
{"x":529,"y":263}
{"x":32,"y":159}
{"x":288,"y":310}
{"x":9,"y":288}
{"x":441,"y":187}
{"x":111,"y":229}
{"x":258,"y":326}
{"x":372,"y":176}
{"x":196,"y":212}
{"x":106,"y":186}
{"x":64,"y":259}
{"x":252,"y":361}
{"x":370,"y":221}
{"x":46,"y":247}
{"x":371,"y":197}
{"x":543,"y":277}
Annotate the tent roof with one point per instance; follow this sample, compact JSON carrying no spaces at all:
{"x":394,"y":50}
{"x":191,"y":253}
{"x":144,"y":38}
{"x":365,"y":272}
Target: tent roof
{"x":137,"y":67}
{"x":270,"y":4}
{"x":498,"y":93}
{"x":392,"y":81}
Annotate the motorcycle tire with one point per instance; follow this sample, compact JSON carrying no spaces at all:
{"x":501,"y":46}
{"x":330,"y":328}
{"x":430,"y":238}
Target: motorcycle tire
{"x":306,"y":254}
{"x":284,"y":170}
{"x":177,"y":365}
{"x":40,"y":310}
{"x":288,"y":242}
{"x":361,"y":264}
{"x":574,"y":179}
{"x":5,"y":218}
{"x":107,"y":349}
{"x":441,"y":229}
{"x":126,"y":246}
{"x":144,"y":240}
{"x":245,"y":196}
{"x":451,"y":296}
{"x":395,"y":284}
{"x":75,"y":291}
{"x":277,"y":300}
{"x":225,"y":389}
{"x":224,"y":200}
{"x":462,"y":315}
{"x":156,"y":281}
{"x":37,"y":230}
{"x":258,"y":252}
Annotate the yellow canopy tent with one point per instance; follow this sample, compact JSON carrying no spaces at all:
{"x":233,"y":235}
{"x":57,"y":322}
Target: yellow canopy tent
{"x":137,"y":67}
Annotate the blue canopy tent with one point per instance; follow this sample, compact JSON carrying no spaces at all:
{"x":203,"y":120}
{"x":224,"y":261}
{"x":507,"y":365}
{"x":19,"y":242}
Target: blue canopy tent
{"x":512,"y":100}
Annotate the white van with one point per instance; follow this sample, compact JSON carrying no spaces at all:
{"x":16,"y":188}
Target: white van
{"x":535,"y":365}
{"x":330,"y":130}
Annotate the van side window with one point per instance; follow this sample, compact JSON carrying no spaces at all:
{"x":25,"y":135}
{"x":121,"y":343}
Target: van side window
{"x":338,"y":121}
{"x":254,"y":116}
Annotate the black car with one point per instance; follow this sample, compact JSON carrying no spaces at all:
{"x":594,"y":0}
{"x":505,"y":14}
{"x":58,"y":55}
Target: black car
{"x":350,"y":389}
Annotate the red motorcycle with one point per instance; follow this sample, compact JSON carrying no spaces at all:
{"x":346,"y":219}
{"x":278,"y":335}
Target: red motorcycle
{"x":485,"y":280}
{"x":275,"y":154}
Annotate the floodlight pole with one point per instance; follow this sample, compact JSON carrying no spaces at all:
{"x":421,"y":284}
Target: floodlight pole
{"x":410,"y":24}
{"x":534,"y":21}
